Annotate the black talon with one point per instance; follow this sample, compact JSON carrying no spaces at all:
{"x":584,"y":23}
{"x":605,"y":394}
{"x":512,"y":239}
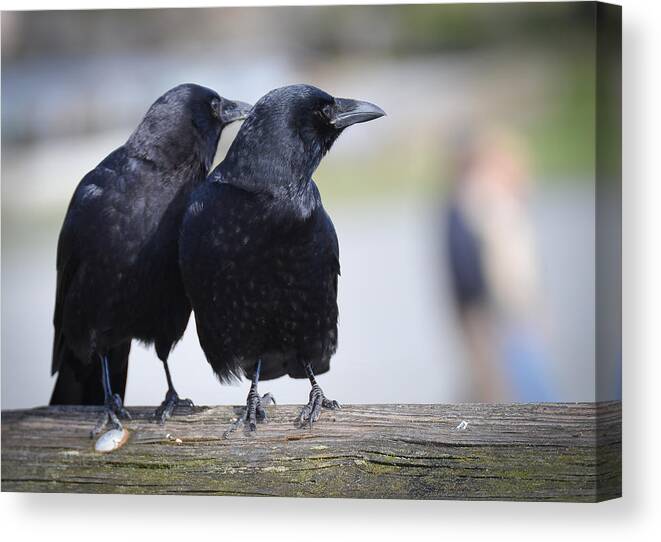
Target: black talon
{"x":169,"y":404}
{"x":113,"y":406}
{"x":254,"y":410}
{"x":310,"y":413}
{"x":252,"y":413}
{"x":172,"y":400}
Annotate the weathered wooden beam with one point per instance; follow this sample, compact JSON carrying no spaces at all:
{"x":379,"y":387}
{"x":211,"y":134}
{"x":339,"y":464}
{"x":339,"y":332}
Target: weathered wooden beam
{"x":560,"y":452}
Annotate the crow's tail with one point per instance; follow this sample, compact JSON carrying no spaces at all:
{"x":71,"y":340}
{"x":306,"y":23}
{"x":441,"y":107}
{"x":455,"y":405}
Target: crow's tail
{"x":80,"y":383}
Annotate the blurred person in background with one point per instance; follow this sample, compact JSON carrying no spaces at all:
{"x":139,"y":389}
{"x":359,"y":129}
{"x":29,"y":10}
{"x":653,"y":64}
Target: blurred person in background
{"x":494,"y":270}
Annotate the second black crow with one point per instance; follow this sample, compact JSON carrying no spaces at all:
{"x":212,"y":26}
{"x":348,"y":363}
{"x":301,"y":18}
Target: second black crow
{"x":259,"y":254}
{"x":117,"y":271}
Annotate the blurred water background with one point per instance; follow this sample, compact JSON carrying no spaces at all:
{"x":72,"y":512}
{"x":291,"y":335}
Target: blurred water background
{"x":74,"y":84}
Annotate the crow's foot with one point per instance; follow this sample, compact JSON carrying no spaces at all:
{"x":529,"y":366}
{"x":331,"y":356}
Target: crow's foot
{"x":167,"y":407}
{"x":113,"y":410}
{"x":310,"y":413}
{"x":254,"y":412}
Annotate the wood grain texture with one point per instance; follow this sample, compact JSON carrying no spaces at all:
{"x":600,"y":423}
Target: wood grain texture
{"x":557,"y":452}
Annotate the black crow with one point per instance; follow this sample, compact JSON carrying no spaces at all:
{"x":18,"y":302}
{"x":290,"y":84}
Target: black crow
{"x":117,"y":268}
{"x":258,"y":252}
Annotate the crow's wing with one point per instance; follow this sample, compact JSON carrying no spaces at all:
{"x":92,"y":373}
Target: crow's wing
{"x":332,"y":243}
{"x":87,"y":200}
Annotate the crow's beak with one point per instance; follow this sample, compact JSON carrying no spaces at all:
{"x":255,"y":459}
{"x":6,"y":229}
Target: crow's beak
{"x":233,"y":111}
{"x":347,"y":112}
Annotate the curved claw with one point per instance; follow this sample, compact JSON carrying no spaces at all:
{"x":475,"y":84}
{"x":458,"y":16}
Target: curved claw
{"x":100,"y":424}
{"x":268,"y":399}
{"x":233,"y":427}
{"x":252,"y":414}
{"x":311,"y":412}
{"x":168,"y":406}
{"x":113,"y":410}
{"x":117,"y":407}
{"x":331,"y":404}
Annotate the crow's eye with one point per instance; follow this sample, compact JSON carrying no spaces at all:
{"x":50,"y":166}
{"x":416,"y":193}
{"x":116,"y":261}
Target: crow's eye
{"x":215,"y":108}
{"x":327,"y":111}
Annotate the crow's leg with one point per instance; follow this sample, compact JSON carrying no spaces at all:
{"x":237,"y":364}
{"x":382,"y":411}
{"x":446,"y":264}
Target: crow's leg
{"x":311,"y":412}
{"x":113,"y":407}
{"x":171,"y":400}
{"x":254,"y":410}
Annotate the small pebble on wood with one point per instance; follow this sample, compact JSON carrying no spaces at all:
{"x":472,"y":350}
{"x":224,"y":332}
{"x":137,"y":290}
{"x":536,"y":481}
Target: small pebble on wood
{"x":111,"y":440}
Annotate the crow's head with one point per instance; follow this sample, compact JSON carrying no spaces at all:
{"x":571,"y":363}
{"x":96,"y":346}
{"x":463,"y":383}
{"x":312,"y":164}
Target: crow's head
{"x":186,"y":119}
{"x":311,"y":115}
{"x":288,"y":132}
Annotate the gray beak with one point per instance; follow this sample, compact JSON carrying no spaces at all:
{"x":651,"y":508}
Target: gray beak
{"x":347,"y":112}
{"x":234,"y":110}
